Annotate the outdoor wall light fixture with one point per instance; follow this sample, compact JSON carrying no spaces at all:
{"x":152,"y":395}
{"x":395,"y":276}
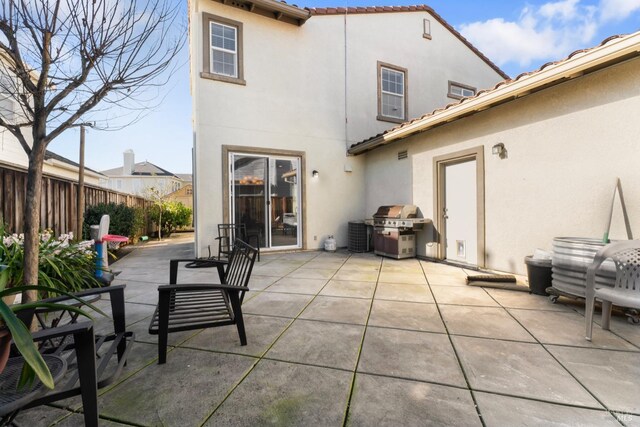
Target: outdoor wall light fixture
{"x":499,"y":150}
{"x":315,"y":173}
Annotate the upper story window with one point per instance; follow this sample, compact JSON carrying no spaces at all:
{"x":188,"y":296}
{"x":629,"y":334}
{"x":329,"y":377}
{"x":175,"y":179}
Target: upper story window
{"x":392,"y":93}
{"x":7,"y":102}
{"x":459,"y":91}
{"x":222,"y":44}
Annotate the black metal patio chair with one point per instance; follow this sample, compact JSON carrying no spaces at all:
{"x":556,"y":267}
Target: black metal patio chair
{"x":228,"y":233}
{"x":80,"y":361}
{"x":183,"y":307}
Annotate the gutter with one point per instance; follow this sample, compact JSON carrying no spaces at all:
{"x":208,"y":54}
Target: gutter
{"x":577,"y":65}
{"x":62,"y":165}
{"x":283,"y":8}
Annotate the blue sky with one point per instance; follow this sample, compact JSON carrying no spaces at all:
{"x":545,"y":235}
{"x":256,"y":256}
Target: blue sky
{"x":517,"y":35}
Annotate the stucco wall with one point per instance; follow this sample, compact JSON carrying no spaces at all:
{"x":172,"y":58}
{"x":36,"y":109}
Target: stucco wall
{"x":566,"y":146}
{"x":294,"y":99}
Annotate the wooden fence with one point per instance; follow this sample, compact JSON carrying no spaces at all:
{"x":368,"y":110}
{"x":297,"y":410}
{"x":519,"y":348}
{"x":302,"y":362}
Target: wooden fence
{"x":58,"y":202}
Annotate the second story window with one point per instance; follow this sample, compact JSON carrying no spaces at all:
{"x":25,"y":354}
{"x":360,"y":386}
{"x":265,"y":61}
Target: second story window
{"x":224,"y":49}
{"x":222,"y":56}
{"x":459,"y":91}
{"x":392,"y":96}
{"x":7,"y":102}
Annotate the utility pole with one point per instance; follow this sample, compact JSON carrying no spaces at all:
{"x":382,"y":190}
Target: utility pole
{"x":80,"y":196}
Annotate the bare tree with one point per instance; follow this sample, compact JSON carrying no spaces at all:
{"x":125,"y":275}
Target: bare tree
{"x":66,"y":62}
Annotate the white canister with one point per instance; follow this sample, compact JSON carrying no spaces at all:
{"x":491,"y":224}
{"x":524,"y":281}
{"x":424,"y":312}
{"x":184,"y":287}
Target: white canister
{"x":330,"y":244}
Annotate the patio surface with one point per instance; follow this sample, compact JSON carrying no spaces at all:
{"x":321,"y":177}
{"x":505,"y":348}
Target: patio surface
{"x":355,"y":339}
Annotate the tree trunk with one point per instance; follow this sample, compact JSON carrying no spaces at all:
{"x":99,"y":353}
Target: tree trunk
{"x":32,"y":219}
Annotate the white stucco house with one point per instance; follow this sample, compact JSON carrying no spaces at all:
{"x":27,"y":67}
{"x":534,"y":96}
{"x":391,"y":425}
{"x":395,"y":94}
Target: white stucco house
{"x":537,"y":157}
{"x":139,"y":178}
{"x":280,"y":93}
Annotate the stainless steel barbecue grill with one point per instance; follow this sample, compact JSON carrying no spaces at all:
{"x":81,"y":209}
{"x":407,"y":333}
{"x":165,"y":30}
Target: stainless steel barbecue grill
{"x":394,"y":230}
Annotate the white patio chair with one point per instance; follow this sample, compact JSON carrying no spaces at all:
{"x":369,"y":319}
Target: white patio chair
{"x":625,"y":293}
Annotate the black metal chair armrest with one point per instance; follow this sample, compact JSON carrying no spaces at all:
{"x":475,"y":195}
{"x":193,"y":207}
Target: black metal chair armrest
{"x":201,"y":287}
{"x":174,"y":263}
{"x":116,"y":296}
{"x":61,"y":331}
{"x":88,"y":292}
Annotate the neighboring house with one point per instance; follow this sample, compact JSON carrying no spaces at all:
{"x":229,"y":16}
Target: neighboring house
{"x":12,"y":154}
{"x":139,"y":178}
{"x":534,"y":158}
{"x":280,"y":93}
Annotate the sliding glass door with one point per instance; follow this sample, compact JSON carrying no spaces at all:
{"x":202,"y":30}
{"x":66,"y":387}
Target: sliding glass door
{"x":265,"y":197}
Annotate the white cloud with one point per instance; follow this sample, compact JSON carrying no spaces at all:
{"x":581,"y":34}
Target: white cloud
{"x":617,"y":10}
{"x":546,"y":32}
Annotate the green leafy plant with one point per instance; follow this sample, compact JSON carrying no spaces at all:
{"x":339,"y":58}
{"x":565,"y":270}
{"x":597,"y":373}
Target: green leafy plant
{"x":63,"y":264}
{"x":124,"y":220}
{"x":171,"y":215}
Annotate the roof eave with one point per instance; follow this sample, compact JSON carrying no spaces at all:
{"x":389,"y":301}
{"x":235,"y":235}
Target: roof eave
{"x":575,"y":66}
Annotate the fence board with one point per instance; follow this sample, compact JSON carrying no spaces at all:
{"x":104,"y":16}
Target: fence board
{"x":58,"y":201}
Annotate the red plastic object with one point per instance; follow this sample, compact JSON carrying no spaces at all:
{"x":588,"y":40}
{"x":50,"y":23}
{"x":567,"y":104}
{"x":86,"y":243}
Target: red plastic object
{"x":114,"y":238}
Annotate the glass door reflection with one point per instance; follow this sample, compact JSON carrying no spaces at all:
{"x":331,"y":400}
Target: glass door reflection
{"x":249,"y":194}
{"x":284,"y":202}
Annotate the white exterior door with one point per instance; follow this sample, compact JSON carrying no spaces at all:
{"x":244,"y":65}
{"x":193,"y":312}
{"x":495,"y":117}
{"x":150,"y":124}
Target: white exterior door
{"x":461,"y":212}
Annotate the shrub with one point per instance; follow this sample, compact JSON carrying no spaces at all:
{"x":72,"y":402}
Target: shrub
{"x":174,"y":216}
{"x":124,"y":220}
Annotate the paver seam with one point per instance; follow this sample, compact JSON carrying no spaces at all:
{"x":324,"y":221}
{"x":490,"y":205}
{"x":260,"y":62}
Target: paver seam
{"x":455,"y":351}
{"x":364,"y":334}
{"x":563,"y":366}
{"x":261,"y":357}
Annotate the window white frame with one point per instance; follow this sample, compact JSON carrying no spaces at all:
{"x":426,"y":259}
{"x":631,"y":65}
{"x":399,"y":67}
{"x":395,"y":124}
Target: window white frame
{"x":214,"y":48}
{"x":7,"y":101}
{"x":208,"y":23}
{"x":402,"y":114}
{"x":459,"y":90}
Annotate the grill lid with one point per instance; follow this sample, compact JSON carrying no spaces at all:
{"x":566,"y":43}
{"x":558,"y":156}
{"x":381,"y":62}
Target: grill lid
{"x":396,"y":211}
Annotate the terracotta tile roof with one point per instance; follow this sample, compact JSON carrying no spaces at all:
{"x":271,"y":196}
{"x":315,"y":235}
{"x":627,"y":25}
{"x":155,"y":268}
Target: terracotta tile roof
{"x":499,"y":85}
{"x":323,"y":11}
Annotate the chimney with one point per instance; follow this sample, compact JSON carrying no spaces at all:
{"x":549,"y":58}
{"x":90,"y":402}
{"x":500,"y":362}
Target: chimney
{"x":129,"y":162}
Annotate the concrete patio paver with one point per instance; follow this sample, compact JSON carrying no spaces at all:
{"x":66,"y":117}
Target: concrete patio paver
{"x":519,"y":369}
{"x":403,"y":292}
{"x":164,"y":394}
{"x":330,"y":342}
{"x":331,"y":345}
{"x":381,"y":401}
{"x":485,"y":322}
{"x":349,"y":288}
{"x":406,"y":315}
{"x":280,"y":393}
{"x":277,"y":304}
{"x":567,"y":328}
{"x":612,"y":376}
{"x":262,"y":332}
{"x":339,"y":310}
{"x":499,"y":410}
{"x":411,"y":355}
